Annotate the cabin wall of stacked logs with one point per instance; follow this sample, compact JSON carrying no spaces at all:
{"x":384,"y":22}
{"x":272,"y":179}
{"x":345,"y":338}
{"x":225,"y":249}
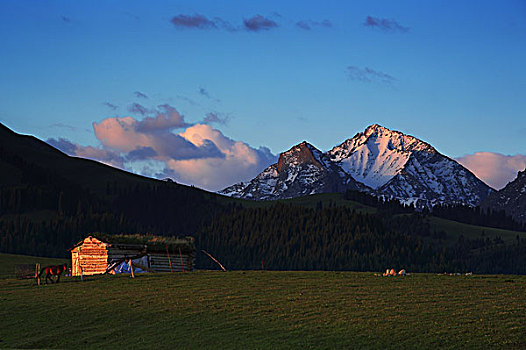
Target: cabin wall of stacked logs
{"x":89,"y":258}
{"x":92,"y":259}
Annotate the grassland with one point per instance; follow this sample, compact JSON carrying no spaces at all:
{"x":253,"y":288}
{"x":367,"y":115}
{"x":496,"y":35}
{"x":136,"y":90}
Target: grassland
{"x":265,"y":310}
{"x":8,"y":263}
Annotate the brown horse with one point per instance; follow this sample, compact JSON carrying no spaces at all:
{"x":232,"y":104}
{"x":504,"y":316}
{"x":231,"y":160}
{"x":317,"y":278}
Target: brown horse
{"x":54,"y":270}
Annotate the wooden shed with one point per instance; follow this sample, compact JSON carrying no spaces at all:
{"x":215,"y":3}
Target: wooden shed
{"x":93,"y":256}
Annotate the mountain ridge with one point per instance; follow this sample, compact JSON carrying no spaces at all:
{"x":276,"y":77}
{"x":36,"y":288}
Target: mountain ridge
{"x":384,"y":162}
{"x":302,"y":170}
{"x":511,"y":198}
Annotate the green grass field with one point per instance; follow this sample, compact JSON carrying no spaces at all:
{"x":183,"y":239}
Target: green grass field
{"x":265,"y":310}
{"x":8,"y":263}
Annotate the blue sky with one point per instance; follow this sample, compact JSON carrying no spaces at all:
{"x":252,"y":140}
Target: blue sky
{"x":267,"y":74}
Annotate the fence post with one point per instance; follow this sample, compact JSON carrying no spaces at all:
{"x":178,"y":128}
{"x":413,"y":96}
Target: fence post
{"x":37,"y":277}
{"x":169,"y":260}
{"x":181,"y":257}
{"x":79,"y":267}
{"x":131,"y":268}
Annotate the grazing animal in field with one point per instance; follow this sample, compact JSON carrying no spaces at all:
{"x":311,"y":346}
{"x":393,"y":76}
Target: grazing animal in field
{"x":54,"y":270}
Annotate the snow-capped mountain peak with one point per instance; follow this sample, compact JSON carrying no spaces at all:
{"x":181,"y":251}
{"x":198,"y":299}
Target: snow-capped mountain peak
{"x":303,"y":153}
{"x":302,"y":170}
{"x":376,"y":155}
{"x":378,"y":160}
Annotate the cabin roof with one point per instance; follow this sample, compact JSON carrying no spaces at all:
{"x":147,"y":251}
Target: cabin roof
{"x":90,"y":238}
{"x":141,"y":242}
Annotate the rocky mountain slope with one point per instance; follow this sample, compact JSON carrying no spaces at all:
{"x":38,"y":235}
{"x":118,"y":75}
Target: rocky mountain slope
{"x":511,"y":199}
{"x":300,"y":171}
{"x":381,"y":161}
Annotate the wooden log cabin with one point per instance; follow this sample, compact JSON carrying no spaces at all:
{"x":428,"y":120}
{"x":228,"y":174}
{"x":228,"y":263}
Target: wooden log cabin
{"x":93,"y":256}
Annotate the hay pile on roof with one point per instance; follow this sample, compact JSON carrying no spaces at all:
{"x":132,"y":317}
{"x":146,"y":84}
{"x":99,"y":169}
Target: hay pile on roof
{"x":154,"y":243}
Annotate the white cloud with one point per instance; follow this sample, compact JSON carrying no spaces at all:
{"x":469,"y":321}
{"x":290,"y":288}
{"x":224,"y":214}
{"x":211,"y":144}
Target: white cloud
{"x":240,"y":162}
{"x":495,"y":169}
{"x":198,"y":155}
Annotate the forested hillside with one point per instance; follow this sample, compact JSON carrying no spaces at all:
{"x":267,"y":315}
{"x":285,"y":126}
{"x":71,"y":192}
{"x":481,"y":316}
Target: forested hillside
{"x":288,"y":237}
{"x":49,"y":201}
{"x":46,"y":222}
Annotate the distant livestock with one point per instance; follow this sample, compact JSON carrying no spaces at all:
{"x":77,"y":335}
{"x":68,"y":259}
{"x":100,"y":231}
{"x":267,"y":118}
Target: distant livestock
{"x":392,"y":272}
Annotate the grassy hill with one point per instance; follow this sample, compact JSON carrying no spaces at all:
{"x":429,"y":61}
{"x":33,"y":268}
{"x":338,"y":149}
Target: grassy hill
{"x":29,"y":162}
{"x":266,"y":310}
{"x":24,"y":157}
{"x":21,"y":152}
{"x":8,"y":263}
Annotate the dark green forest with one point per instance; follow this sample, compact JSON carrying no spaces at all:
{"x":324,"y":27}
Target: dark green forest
{"x":46,"y":221}
{"x":287,"y":237}
{"x":459,"y":213}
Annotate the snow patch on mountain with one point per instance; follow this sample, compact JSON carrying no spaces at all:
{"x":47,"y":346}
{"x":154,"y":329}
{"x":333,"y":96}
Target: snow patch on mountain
{"x":380,"y":161}
{"x":302,"y":170}
{"x":377,"y":155}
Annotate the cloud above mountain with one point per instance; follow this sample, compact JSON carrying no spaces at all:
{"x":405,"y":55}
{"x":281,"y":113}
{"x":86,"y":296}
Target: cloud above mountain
{"x":308,"y":24}
{"x":259,"y":23}
{"x":137,"y":108}
{"x":368,"y":75}
{"x":196,"y":21}
{"x":139,"y":94}
{"x":384,"y":24}
{"x":495,"y":169}
{"x":103,"y":155}
{"x":239,"y":160}
{"x":162,"y":144}
{"x":256,"y":23}
{"x":110,"y":105}
{"x":215,"y":118}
